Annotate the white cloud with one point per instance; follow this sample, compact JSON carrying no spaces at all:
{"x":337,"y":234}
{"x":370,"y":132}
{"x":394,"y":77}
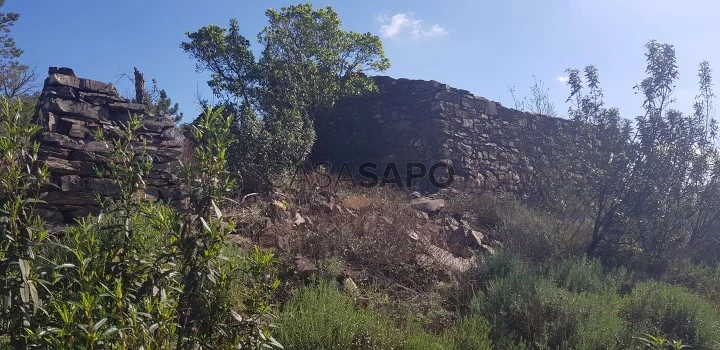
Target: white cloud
{"x":562,"y":79}
{"x":401,"y":23}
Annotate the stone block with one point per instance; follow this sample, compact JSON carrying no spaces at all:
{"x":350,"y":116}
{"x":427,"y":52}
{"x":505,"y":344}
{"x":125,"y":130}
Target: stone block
{"x":157,"y":124}
{"x":76,"y":108}
{"x":79,"y":199}
{"x":55,"y":79}
{"x":97,"y":86}
{"x":89,"y":156}
{"x":61,"y":70}
{"x":104,"y":187}
{"x":120,"y":110}
{"x":79,"y":131}
{"x":69,"y":167}
{"x":60,"y":91}
{"x":69,"y":183}
{"x":53,"y":151}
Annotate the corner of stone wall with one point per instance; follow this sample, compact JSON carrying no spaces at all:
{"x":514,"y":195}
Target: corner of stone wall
{"x":72,"y":110}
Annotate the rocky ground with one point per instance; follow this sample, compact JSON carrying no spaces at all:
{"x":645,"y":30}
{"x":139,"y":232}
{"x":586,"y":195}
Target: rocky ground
{"x":401,"y":246}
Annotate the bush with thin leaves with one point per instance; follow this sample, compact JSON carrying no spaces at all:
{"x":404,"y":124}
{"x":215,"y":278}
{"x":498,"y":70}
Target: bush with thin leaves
{"x":21,"y":230}
{"x":673,"y":313}
{"x":140,"y":274}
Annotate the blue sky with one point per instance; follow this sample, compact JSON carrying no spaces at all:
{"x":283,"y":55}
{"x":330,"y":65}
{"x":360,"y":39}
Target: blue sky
{"x":483,"y":47}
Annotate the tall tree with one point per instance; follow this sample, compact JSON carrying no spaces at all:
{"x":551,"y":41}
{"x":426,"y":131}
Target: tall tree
{"x":603,"y":153}
{"x":226,"y":54}
{"x":650,"y":191}
{"x":16,"y":80}
{"x":308,"y":63}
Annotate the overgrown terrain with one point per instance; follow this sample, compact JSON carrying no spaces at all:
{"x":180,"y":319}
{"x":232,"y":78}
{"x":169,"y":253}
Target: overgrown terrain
{"x":612,"y":245}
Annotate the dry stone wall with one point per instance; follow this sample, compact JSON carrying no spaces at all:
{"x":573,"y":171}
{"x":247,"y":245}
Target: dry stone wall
{"x":490,"y":147}
{"x":72,"y":110}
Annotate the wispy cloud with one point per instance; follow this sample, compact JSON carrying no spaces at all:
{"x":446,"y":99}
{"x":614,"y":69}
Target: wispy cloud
{"x":406,"y":23}
{"x":562,"y":79}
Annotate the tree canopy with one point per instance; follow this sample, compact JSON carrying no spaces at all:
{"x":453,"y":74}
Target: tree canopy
{"x":16,"y":80}
{"x":308,"y":63}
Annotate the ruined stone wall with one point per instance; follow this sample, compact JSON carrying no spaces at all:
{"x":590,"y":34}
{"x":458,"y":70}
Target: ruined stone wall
{"x":72,"y":110}
{"x":490,"y":147}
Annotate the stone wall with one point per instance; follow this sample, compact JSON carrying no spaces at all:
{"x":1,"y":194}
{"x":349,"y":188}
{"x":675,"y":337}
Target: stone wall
{"x":490,"y":147}
{"x":72,"y":110}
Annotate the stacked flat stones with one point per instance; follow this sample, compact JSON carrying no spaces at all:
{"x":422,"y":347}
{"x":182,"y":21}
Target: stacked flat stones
{"x":490,"y":147}
{"x":72,"y":110}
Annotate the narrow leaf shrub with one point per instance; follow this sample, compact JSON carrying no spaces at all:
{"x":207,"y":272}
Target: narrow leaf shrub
{"x":674,"y":313}
{"x":322,"y":318}
{"x":524,"y":306}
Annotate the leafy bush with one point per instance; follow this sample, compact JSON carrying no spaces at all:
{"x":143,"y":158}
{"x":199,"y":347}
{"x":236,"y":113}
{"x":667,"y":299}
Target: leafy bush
{"x":525,"y":307}
{"x":700,"y":278}
{"x":498,"y":266}
{"x":673,"y":313}
{"x":323,"y":318}
{"x":283,"y":98}
{"x":576,"y":304}
{"x":419,"y":339}
{"x":471,"y":332}
{"x":139,"y":275}
{"x":539,"y":235}
{"x":21,"y":230}
{"x":584,"y":275}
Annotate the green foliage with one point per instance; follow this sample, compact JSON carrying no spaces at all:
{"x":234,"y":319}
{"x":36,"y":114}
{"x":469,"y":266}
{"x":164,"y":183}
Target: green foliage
{"x":604,"y":167}
{"x":548,"y":309}
{"x":308,"y":62}
{"x":323,"y":318}
{"x":8,"y":19}
{"x":471,"y":332}
{"x":141,"y":274}
{"x":530,"y":231}
{"x":700,"y":279}
{"x":16,"y":80}
{"x":582,"y":275}
{"x":21,"y":230}
{"x":639,"y":183}
{"x":673,"y":313}
{"x":524,"y":306}
{"x":660,"y":343}
{"x":311,"y":61}
{"x":158,"y":102}
{"x":538,"y":234}
{"x":575,"y":304}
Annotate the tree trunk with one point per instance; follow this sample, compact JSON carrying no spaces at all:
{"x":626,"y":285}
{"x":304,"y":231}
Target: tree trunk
{"x":139,"y":87}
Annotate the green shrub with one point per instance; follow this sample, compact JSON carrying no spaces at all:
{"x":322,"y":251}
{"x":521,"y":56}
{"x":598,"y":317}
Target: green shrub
{"x":22,"y":232}
{"x":502,"y":264}
{"x":673,"y":313}
{"x":582,"y":275}
{"x":525,"y":307}
{"x":418,"y":339}
{"x":140,"y":275}
{"x":471,"y":332}
{"x":484,"y":209}
{"x":700,"y":279}
{"x":322,"y":318}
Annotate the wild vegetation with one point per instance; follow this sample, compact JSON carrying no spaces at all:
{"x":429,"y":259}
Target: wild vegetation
{"x":614,"y":246}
